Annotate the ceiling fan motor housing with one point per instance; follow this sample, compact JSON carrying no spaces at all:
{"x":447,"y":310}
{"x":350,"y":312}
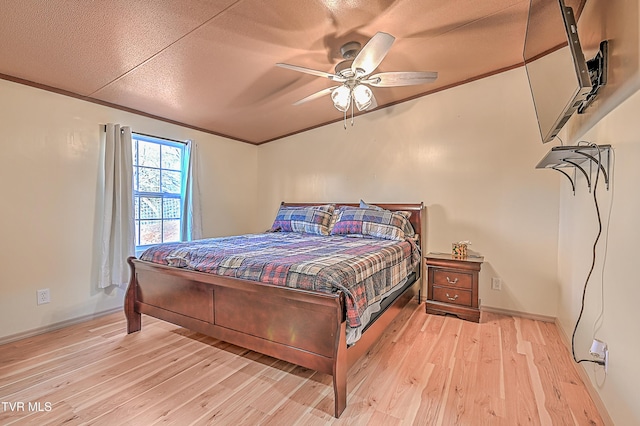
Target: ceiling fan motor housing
{"x":350,"y":50}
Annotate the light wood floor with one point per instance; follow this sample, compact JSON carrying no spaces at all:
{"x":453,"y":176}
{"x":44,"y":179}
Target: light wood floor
{"x":428,"y":370}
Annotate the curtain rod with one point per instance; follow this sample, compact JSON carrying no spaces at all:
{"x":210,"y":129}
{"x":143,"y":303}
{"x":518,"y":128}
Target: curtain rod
{"x":152,"y":136}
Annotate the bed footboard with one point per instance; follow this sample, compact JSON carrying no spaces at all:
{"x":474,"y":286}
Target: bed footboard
{"x":297,"y":326}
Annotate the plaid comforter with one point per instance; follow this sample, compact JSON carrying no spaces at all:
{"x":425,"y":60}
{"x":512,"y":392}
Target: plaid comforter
{"x":364,"y":269}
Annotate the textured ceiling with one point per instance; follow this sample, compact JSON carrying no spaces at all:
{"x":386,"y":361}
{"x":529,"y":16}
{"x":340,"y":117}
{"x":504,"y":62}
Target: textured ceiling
{"x":210,"y":64}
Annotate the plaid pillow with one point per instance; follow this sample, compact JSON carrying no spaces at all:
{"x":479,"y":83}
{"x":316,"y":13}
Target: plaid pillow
{"x":334,"y":219}
{"x":378,"y":223}
{"x":364,"y":205}
{"x":310,"y":220}
{"x":407,"y":226}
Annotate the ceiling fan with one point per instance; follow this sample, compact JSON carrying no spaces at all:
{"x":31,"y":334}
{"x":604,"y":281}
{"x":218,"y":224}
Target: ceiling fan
{"x":354,"y":75}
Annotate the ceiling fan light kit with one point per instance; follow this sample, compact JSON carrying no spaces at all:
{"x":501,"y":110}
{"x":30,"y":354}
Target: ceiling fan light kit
{"x":354,"y":74}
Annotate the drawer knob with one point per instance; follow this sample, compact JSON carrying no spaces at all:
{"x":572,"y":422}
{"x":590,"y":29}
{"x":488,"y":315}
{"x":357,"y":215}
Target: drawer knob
{"x":454,"y":297}
{"x":455,"y":280}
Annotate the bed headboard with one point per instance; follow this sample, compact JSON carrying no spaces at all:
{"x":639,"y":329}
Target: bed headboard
{"x":416,"y":210}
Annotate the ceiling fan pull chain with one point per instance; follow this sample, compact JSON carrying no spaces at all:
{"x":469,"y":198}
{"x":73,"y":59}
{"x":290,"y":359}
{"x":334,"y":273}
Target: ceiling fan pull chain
{"x":345,"y":119}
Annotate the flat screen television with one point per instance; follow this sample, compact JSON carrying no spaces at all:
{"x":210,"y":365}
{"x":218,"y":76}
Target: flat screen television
{"x":557,"y":71}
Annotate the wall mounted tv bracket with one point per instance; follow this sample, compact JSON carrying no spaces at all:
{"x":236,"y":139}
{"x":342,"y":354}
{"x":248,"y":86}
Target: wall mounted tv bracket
{"x":597,"y":73}
{"x":578,"y":157}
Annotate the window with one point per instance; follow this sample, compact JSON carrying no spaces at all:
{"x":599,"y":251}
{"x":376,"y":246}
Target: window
{"x":157,"y":189}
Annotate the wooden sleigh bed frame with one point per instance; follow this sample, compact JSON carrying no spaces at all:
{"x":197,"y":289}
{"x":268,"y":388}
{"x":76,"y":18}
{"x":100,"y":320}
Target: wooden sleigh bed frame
{"x":298,"y":326}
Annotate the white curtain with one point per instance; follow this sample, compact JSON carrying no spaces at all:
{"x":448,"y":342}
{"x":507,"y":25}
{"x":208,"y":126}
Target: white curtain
{"x":191,"y":211}
{"x":116,"y":224}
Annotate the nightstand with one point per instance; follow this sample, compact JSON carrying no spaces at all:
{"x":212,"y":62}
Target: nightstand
{"x":452,"y":285}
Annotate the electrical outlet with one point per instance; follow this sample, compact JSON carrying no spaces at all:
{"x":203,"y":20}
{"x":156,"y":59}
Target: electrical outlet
{"x":43,"y":296}
{"x":496,"y":283}
{"x":600,"y":350}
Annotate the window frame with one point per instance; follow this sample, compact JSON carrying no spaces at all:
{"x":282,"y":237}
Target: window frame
{"x":137,"y":194}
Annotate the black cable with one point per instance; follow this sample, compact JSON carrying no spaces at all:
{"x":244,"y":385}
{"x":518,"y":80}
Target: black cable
{"x":593,"y":262}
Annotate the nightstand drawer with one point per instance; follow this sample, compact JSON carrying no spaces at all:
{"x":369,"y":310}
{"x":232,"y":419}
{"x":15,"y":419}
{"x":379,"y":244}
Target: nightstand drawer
{"x":452,"y":279}
{"x":452,"y":295}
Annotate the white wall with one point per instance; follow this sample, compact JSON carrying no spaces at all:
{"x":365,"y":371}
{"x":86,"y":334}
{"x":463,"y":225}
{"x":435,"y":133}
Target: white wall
{"x":49,"y":148}
{"x":468,"y":153}
{"x":609,"y":313}
{"x":613,"y":290}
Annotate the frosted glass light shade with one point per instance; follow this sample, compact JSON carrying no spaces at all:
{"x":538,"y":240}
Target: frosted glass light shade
{"x":341,"y":98}
{"x":362,"y":96}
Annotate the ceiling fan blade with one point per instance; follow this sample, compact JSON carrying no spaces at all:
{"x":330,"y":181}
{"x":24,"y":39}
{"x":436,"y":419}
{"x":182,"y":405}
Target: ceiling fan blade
{"x":316,"y":95}
{"x":401,"y":78}
{"x":313,"y":72}
{"x":370,"y":56}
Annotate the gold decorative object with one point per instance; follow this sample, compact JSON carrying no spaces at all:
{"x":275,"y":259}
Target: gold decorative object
{"x":459,"y":249}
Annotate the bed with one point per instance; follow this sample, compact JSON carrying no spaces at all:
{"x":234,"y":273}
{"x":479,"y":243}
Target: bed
{"x":303,"y":326}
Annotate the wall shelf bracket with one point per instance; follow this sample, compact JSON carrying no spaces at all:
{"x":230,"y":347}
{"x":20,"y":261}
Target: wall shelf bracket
{"x":571,"y":179}
{"x":585,"y":158}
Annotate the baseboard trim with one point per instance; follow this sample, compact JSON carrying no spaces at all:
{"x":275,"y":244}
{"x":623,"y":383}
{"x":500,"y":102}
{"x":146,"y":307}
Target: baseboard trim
{"x":509,"y":312}
{"x":593,"y":393}
{"x":57,"y":326}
